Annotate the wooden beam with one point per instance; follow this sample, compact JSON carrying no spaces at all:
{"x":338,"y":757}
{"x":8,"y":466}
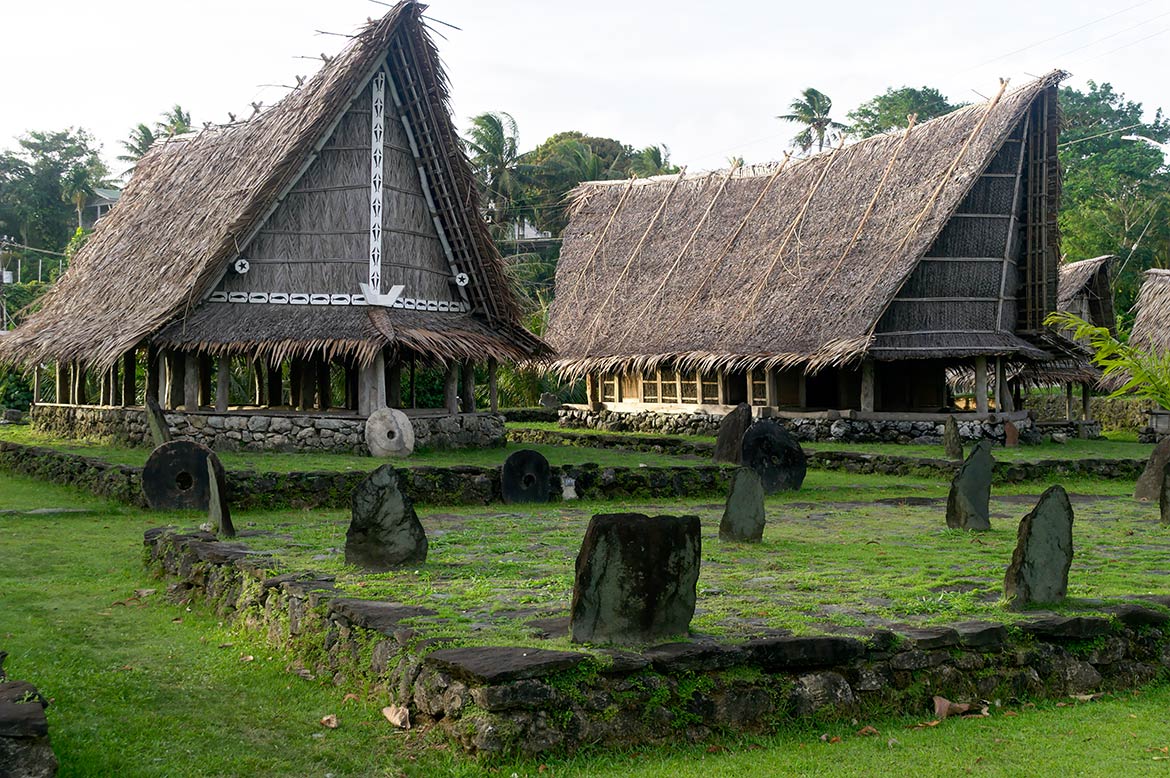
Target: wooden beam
{"x":61,"y":371}
{"x":294,"y":383}
{"x":130,"y":378}
{"x":750,"y":387}
{"x":308,"y":394}
{"x":259,"y":396}
{"x":153,"y":371}
{"x":191,"y":381}
{"x":79,"y":387}
{"x":394,"y":384}
{"x":275,"y":385}
{"x":981,"y":384}
{"x":324,"y":385}
{"x":802,"y":389}
{"x":205,"y":396}
{"x":223,"y":375}
{"x":1086,"y":408}
{"x":867,"y":386}
{"x":174,"y":380}
{"x":36,"y":387}
{"x":1068,"y":401}
{"x":493,"y":385}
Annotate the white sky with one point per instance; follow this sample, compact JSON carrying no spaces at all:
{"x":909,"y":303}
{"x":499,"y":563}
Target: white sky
{"x":704,"y":78}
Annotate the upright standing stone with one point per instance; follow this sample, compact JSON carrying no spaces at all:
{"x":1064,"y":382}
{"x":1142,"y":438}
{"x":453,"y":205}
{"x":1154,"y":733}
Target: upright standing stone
{"x":156,"y":420}
{"x":1011,"y":435}
{"x":775,"y":455}
{"x":969,"y":503}
{"x":384,"y":532}
{"x":1164,"y":498}
{"x":219,"y":515}
{"x":952,"y":441}
{"x":729,"y":440}
{"x":1149,"y":483}
{"x":549,"y":401}
{"x":1044,"y":552}
{"x":635,"y":578}
{"x":743,"y":518}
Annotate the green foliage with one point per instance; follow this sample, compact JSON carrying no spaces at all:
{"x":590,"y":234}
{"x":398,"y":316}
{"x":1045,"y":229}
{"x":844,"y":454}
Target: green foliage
{"x":652,"y":161}
{"x":1116,"y":192}
{"x":888,"y":111}
{"x":173,"y":122}
{"x":42,"y":182}
{"x":493,"y":143}
{"x":1146,"y":373}
{"x":812,"y":110}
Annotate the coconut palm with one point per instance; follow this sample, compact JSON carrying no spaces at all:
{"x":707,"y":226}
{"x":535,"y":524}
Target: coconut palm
{"x":174,"y":122}
{"x":140,"y":140}
{"x":652,"y":161}
{"x":76,"y":186}
{"x":812,"y":109}
{"x":493,"y":141}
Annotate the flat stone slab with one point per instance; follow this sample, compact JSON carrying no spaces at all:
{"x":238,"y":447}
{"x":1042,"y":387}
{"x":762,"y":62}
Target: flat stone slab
{"x":377,"y":616}
{"x":695,"y":657}
{"x":497,"y":664}
{"x":981,"y":634}
{"x":798,"y":652}
{"x":928,"y":637}
{"x":1134,"y":615}
{"x":1068,"y":627}
{"x":25,"y":719}
{"x":552,"y":627}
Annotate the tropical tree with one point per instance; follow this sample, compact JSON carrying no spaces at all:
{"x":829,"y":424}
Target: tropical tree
{"x":1140,"y":372}
{"x":76,"y":187}
{"x":888,"y":111}
{"x":493,"y":141}
{"x":561,"y":163}
{"x":140,"y":140}
{"x":652,"y":161}
{"x":176,"y":121}
{"x":811,"y":110}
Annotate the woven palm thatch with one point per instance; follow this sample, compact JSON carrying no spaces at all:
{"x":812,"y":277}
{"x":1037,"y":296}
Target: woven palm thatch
{"x":1151,"y":325}
{"x":770,"y":266}
{"x":1085,"y":290}
{"x":195,"y":200}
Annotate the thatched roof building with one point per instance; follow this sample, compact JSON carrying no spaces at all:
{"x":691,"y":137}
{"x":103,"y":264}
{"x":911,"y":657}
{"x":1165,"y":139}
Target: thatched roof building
{"x":924,"y":247}
{"x":339,"y":226}
{"x":1151,"y":324}
{"x":1086,"y":292}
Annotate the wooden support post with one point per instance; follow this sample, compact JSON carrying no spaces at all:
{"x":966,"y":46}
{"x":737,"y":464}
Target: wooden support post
{"x":176,"y":380}
{"x":130,"y":378}
{"x":107,"y":388}
{"x":80,"y":390}
{"x":802,"y":389}
{"x":36,"y":387}
{"x":223,"y":377}
{"x":719,"y":391}
{"x":1086,"y":411}
{"x":493,"y":385}
{"x":351,"y":386}
{"x":1068,"y":401}
{"x":294,"y":383}
{"x":770,"y":393}
{"x":372,"y":386}
{"x":259,"y":397}
{"x":413,"y":376}
{"x":324,"y":385}
{"x":750,"y":388}
{"x":62,"y":375}
{"x":591,"y":393}
{"x":152,"y":374}
{"x":981,"y":385}
{"x":451,"y":388}
{"x":1002,"y":397}
{"x":468,"y":391}
{"x":191,"y":381}
{"x":205,"y":396}
{"x":308,"y":393}
{"x":394,"y":384}
{"x":867,"y":386}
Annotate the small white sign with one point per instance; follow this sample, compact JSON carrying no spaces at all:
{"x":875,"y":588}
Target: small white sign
{"x":8,"y":276}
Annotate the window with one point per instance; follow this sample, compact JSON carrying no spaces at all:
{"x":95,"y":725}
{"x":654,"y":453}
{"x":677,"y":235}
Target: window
{"x":690,"y":389}
{"x":759,"y":380}
{"x":669,"y":386}
{"x":650,"y":387}
{"x":709,"y":386}
{"x":609,"y":388}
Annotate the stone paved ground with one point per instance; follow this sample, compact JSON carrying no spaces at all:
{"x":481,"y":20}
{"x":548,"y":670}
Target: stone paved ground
{"x":501,"y":576}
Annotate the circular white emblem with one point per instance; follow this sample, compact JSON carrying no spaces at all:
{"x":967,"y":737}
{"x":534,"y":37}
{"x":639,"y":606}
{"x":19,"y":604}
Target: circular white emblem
{"x":462,"y":279}
{"x":242,"y":266}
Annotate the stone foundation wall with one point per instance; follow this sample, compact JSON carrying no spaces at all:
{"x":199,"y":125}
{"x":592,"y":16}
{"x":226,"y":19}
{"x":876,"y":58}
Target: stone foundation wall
{"x":525,"y":699}
{"x":25,"y":751}
{"x":262,"y":432}
{"x":809,"y":430}
{"x":1121,"y":414}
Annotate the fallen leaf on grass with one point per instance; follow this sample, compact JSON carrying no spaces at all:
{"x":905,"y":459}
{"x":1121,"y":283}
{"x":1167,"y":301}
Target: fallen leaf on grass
{"x":329,"y":721}
{"x":225,"y":645}
{"x":944,"y":707}
{"x":349,"y":697}
{"x":924,"y":724}
{"x":826,"y":739}
{"x":1088,"y":697}
{"x":247,"y":658}
{"x":125,"y":667}
{"x":177,"y":620}
{"x":397,"y":715}
{"x":144,"y":592}
{"x":893,"y":742}
{"x":715,"y":749}
{"x":867,"y":731}
{"x":1010,"y":713}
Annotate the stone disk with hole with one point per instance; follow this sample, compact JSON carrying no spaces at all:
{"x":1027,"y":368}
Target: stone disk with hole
{"x":525,"y":477}
{"x":775,"y":455}
{"x":389,"y":433}
{"x":176,"y":476}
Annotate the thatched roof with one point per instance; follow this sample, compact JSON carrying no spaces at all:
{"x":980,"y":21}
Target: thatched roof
{"x":1075,"y":277}
{"x":1151,"y":325}
{"x":194,"y":200}
{"x":767,"y":266}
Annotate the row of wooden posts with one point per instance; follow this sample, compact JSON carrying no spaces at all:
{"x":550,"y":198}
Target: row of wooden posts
{"x":183,"y":381}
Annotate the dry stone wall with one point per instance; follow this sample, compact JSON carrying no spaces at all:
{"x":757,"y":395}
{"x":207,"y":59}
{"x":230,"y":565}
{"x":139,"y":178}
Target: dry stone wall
{"x":261,"y":432}
{"x":528,"y":699}
{"x":805,"y":430}
{"x":1113,"y":414}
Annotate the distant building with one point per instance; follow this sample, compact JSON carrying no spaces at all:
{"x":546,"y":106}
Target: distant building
{"x":98,"y":205}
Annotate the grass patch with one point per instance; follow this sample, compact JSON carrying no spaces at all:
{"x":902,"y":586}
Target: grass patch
{"x":141,"y":687}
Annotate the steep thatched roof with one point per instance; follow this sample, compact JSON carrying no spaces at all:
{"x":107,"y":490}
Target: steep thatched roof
{"x":1151,"y":325}
{"x":1076,"y":277}
{"x":772,"y":266}
{"x":194,"y":200}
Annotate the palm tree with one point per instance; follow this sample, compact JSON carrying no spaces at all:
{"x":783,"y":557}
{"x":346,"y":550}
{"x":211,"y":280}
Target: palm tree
{"x":76,"y":187}
{"x":812,"y":110}
{"x":652,"y":161}
{"x":140,"y":140}
{"x":493,"y":141}
{"x":174,"y":122}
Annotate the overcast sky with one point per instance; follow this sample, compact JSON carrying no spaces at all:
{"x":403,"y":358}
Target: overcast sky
{"x":705,"y":78}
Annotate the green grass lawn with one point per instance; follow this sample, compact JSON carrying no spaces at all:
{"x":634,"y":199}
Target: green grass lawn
{"x":141,"y":687}
{"x":304,"y":462}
